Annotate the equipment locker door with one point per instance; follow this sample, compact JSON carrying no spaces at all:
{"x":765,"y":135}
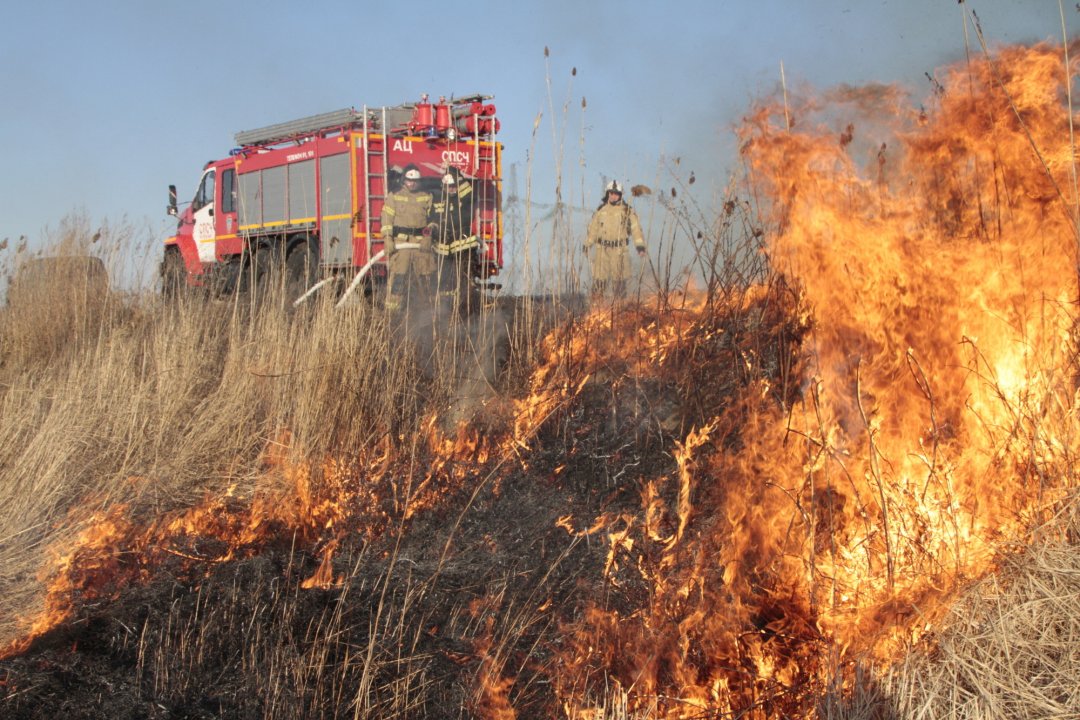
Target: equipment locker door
{"x":337,"y":216}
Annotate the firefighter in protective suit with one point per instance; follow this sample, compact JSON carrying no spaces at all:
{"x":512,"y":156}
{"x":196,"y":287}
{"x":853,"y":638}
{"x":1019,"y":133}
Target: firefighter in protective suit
{"x":405,"y":219}
{"x":453,"y":240}
{"x":612,"y":225}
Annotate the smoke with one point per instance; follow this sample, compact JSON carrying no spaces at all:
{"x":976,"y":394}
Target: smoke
{"x":461,"y":345}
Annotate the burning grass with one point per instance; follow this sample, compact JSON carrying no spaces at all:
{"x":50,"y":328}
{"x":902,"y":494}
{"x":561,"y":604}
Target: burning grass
{"x":1010,"y":647}
{"x":843,"y":486}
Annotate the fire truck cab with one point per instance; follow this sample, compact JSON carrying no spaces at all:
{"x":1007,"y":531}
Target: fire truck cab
{"x":300,"y":201}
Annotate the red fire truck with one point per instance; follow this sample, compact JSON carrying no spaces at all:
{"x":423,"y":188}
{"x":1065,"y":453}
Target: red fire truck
{"x":304,"y":197}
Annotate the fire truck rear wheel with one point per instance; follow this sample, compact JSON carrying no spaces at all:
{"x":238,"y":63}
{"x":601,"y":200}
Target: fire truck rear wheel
{"x":301,"y":270}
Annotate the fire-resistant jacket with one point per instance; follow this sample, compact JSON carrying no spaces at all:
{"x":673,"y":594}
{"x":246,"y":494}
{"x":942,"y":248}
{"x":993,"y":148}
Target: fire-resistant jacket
{"x":612,"y":225}
{"x":610,"y":228}
{"x":453,"y":215}
{"x":405,"y":213}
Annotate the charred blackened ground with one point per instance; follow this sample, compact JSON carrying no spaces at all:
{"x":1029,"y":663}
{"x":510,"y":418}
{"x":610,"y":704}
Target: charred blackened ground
{"x":458,"y":610}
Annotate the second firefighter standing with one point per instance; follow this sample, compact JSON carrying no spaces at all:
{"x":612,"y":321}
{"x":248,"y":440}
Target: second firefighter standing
{"x":612,"y":227}
{"x":452,"y":215}
{"x":454,"y":242}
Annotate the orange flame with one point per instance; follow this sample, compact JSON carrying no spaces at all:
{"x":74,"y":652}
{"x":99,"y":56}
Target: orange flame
{"x":114,"y":550}
{"x":492,"y":696}
{"x":934,"y":421}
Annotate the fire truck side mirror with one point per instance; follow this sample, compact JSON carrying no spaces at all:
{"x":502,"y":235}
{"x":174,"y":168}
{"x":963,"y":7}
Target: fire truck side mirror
{"x":171,"y":207}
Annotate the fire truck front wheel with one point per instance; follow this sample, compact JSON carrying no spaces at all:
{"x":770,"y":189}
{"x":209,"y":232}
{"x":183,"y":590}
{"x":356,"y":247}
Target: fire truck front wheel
{"x":173,"y":274}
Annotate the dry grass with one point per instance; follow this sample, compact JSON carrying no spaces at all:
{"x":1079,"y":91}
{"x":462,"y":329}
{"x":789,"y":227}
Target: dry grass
{"x":137,"y":402}
{"x":1010,"y":646}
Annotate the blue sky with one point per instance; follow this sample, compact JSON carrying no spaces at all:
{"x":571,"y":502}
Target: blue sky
{"x":106,"y":103}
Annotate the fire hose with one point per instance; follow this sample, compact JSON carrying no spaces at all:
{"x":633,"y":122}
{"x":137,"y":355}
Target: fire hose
{"x":363,"y":272}
{"x":311,"y":290}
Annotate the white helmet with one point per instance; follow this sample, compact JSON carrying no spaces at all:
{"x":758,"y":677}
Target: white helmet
{"x":613,"y":186}
{"x":412,"y":174}
{"x":448,"y":179}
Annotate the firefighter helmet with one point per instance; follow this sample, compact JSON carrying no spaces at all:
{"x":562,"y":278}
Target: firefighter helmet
{"x":412,"y":172}
{"x":614,"y":187}
{"x":448,"y":179}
